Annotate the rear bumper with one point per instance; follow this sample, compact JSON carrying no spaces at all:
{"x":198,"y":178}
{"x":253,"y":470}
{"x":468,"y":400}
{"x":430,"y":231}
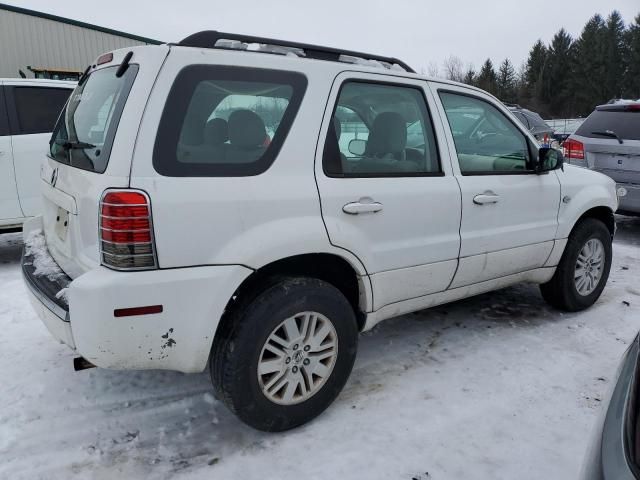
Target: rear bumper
{"x":43,"y":291}
{"x":178,"y":338}
{"x":631,"y":201}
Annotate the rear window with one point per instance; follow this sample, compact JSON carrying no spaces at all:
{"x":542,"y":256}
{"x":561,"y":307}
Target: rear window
{"x":226,"y":121}
{"x":84,"y":134}
{"x":38,"y":108}
{"x":625,"y":124}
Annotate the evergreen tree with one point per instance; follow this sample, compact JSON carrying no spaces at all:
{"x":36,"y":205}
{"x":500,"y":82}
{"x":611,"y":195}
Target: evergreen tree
{"x":556,"y":88}
{"x":470,"y":76}
{"x":632,"y":76}
{"x":487,"y":78}
{"x":535,"y":72}
{"x":588,"y":72}
{"x":506,"y":82}
{"x":614,"y":50}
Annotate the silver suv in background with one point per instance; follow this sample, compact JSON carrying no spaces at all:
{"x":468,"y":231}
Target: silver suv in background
{"x":609,"y":141}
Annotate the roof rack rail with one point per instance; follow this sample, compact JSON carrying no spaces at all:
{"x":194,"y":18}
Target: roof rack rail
{"x":209,"y":38}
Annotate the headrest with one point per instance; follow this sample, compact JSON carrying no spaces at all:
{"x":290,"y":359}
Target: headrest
{"x":246,"y":129}
{"x":216,"y":131}
{"x":388,"y":134}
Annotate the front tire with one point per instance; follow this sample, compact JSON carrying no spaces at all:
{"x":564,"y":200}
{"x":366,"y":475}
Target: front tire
{"x":583,"y":270}
{"x":283,"y":356}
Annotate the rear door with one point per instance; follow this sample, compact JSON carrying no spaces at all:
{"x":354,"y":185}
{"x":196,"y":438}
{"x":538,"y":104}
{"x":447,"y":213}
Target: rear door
{"x":386,"y":187}
{"x":509,"y":213}
{"x":34,"y":109}
{"x":9,"y":206}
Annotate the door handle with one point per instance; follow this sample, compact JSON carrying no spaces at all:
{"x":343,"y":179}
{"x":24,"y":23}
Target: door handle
{"x":486,"y":198}
{"x":364,"y":205}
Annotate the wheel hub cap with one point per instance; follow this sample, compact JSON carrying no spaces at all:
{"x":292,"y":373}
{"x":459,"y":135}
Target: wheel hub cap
{"x":589,"y":265}
{"x":297,"y":358}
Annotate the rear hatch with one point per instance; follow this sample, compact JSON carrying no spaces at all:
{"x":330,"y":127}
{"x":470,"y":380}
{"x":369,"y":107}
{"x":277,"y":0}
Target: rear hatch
{"x":91,"y":150}
{"x":611,"y":141}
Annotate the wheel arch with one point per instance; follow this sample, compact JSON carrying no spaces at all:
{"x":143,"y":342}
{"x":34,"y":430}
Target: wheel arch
{"x":602,"y":213}
{"x":329,"y":267}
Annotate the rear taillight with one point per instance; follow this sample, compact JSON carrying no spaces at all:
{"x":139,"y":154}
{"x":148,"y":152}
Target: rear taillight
{"x":573,"y":149}
{"x":126,"y":231}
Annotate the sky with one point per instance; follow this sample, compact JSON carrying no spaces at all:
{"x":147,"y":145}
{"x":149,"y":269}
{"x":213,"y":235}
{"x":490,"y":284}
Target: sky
{"x":422,"y":33}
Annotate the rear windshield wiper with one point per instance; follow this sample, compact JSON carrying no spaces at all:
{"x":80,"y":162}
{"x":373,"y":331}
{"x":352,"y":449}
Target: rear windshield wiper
{"x":72,"y":145}
{"x":609,"y":133}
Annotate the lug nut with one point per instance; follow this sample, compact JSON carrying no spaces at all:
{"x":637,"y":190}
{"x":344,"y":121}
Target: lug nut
{"x":288,"y":360}
{"x":294,"y":369}
{"x":295,"y":347}
{"x":307,"y":348}
{"x":306,"y":361}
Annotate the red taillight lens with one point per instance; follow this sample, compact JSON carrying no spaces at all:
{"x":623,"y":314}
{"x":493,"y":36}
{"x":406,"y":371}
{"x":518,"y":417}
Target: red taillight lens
{"x":126,"y":234}
{"x":573,"y":149}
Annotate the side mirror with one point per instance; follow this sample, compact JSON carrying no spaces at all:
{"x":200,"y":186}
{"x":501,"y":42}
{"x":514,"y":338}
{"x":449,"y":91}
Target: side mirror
{"x":357,"y":147}
{"x":549,"y":159}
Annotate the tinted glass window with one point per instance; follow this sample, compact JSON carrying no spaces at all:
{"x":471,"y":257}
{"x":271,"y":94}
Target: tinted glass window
{"x":226,"y":121}
{"x":486,"y":140}
{"x":380,"y":130}
{"x":4,"y":119}
{"x":625,"y":124}
{"x":38,"y":108}
{"x":84,"y":134}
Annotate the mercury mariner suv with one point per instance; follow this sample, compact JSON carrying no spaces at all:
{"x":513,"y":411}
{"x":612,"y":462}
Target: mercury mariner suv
{"x":249,"y":205}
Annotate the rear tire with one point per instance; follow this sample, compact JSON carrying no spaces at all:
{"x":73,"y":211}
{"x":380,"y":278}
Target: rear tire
{"x":588,"y":250}
{"x":283,"y":355}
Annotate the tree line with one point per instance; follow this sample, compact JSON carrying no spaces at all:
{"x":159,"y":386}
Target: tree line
{"x":568,"y":77}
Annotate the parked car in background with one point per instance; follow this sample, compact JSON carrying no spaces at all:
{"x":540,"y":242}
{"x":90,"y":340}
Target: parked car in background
{"x":214,"y":218}
{"x":614,"y":450}
{"x":29,"y":109}
{"x":608,"y":141}
{"x":534,"y":123}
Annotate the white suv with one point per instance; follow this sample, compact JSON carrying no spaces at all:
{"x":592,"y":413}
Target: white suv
{"x":29,"y":109}
{"x":252,"y":211}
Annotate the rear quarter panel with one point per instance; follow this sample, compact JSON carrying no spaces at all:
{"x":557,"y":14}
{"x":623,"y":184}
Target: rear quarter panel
{"x":250,"y":220}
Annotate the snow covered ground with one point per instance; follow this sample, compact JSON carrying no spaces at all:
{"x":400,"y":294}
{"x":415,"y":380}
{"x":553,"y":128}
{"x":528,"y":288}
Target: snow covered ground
{"x":495,"y":387}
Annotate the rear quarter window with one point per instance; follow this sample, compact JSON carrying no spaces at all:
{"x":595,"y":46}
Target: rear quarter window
{"x":226,"y":121}
{"x":626,"y":124}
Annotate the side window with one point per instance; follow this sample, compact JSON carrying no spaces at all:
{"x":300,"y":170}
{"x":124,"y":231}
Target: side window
{"x":4,"y":118}
{"x":380,"y":130}
{"x":486,"y":140}
{"x":38,"y":108}
{"x":226,"y":121}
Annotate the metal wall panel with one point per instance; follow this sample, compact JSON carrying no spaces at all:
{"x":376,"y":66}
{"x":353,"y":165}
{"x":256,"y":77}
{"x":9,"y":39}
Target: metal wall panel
{"x":40,"y":42}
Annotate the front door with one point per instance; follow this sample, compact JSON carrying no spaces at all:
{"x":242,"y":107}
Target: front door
{"x":509,"y":213}
{"x":387,"y":191}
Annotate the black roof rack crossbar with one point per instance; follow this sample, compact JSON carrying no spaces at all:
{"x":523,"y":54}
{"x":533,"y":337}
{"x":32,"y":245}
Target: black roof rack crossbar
{"x":209,"y":38}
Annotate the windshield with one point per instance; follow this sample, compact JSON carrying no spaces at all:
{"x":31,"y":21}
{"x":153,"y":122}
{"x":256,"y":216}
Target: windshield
{"x":84,"y":134}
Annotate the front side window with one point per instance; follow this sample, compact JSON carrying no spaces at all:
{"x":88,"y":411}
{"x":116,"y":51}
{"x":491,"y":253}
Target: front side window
{"x":226,"y":121}
{"x":486,"y":140}
{"x":38,"y":108}
{"x":380,"y":130}
{"x":85,"y":131}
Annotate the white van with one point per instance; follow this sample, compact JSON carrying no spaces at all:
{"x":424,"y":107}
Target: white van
{"x":29,"y":109}
{"x":201,"y":210}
